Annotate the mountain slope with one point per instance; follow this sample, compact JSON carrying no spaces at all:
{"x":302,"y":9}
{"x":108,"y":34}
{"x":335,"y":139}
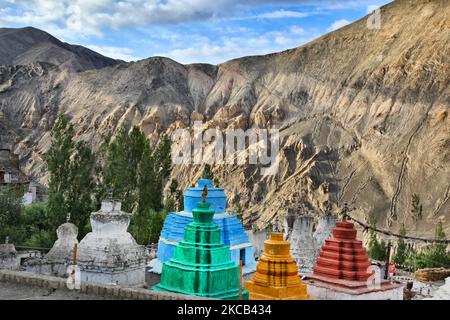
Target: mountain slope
{"x":27,"y":45}
{"x":364,"y":115}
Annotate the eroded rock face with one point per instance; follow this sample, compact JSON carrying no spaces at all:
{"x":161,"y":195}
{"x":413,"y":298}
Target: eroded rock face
{"x":363,"y":114}
{"x":109,"y":254}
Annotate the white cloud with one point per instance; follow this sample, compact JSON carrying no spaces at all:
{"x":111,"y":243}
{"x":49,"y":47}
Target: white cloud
{"x":114,"y":52}
{"x":297,"y":30}
{"x":282,"y":14}
{"x":202,"y":49}
{"x":338,"y":24}
{"x":91,"y":17}
{"x":87,"y":18}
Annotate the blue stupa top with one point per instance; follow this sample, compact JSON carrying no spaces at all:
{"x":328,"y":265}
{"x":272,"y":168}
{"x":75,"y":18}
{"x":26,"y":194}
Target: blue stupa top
{"x":216,"y":196}
{"x":232,"y":232}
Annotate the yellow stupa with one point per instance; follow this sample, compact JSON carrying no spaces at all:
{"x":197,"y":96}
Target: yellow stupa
{"x":276,"y":276}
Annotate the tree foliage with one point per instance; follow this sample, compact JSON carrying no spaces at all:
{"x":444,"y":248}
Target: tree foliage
{"x":402,"y":250}
{"x":434,"y":255}
{"x":71,"y":168}
{"x":10,"y":211}
{"x":80,"y":179}
{"x":376,"y":249}
{"x":136,"y":174}
{"x":175,"y":200}
{"x":417,"y":208}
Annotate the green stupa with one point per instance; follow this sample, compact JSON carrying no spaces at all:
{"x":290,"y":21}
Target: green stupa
{"x":201,"y":264}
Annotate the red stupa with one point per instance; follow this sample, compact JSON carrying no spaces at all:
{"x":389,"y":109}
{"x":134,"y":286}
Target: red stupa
{"x":343,"y":270}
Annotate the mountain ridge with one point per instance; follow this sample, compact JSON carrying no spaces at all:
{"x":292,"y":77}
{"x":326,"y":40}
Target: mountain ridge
{"x":22,"y":46}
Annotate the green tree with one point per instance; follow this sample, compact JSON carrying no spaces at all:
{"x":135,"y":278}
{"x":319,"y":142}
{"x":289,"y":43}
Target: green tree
{"x":10,"y":212}
{"x":145,"y":192}
{"x":239,"y":212}
{"x":38,"y":226}
{"x":436,"y":255}
{"x":376,"y":249}
{"x":101,"y":187}
{"x":174,"y":201}
{"x":72,"y":184}
{"x":156,"y":225}
{"x":402,"y":250}
{"x":58,"y":164}
{"x":208,"y":173}
{"x":136,"y":174}
{"x":163,"y":157}
{"x":80,"y":202}
{"x":432,"y":256}
{"x":417,"y":208}
{"x":121,"y":166}
{"x":149,"y":231}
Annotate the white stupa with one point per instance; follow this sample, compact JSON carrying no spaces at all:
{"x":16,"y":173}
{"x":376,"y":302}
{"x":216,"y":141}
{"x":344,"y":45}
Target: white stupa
{"x":109,"y":254}
{"x":56,"y":261}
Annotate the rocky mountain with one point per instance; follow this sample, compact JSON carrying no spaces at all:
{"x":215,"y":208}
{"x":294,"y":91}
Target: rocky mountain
{"x":29,"y":45}
{"x":363,"y":114}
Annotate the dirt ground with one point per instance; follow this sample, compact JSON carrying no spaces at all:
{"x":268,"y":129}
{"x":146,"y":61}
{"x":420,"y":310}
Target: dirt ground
{"x":13,"y":291}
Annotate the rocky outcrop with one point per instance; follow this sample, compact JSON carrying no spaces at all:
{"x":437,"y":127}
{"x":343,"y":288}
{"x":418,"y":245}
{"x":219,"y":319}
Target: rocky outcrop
{"x":363,"y":114}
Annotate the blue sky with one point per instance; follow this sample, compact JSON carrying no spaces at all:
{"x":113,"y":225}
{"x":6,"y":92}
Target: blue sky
{"x":188,"y":31}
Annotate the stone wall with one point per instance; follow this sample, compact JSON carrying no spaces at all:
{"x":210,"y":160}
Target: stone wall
{"x":115,"y":292}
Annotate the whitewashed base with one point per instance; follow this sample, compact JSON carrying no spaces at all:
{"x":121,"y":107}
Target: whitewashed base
{"x":128,"y":278}
{"x":319,"y":293}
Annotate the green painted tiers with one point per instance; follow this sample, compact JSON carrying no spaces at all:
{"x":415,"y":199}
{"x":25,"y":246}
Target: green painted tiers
{"x":201,"y":264}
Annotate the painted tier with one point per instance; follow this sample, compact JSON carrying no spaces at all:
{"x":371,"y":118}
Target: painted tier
{"x":201,"y":263}
{"x":343,"y":257}
{"x":276,"y":276}
{"x":343,"y":270}
{"x":232,"y":232}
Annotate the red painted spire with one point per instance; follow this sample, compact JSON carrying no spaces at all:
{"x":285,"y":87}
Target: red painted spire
{"x":343,"y":257}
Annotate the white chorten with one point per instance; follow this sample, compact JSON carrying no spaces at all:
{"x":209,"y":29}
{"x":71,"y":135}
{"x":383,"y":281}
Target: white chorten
{"x":56,"y":261}
{"x":109,"y":254}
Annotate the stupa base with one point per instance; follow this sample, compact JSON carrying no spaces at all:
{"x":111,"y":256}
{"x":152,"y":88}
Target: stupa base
{"x":322,"y":288}
{"x":276,"y":293}
{"x":230,"y":295}
{"x":128,"y":278}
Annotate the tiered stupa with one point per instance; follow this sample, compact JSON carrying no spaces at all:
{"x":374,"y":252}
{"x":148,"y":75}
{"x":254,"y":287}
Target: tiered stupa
{"x":201,"y":263}
{"x":343,"y":271}
{"x":276,"y":276}
{"x":109,"y":254}
{"x":232,"y":232}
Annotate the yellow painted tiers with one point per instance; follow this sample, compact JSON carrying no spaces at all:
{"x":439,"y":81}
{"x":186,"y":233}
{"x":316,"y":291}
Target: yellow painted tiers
{"x":276,"y":276}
